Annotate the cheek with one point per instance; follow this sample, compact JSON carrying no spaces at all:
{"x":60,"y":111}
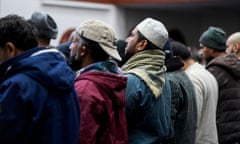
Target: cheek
{"x":228,"y":50}
{"x":204,"y":51}
{"x":73,"y":48}
{"x":129,"y":49}
{"x":1,"y":59}
{"x":207,"y":53}
{"x":3,"y":56}
{"x":129,"y":46}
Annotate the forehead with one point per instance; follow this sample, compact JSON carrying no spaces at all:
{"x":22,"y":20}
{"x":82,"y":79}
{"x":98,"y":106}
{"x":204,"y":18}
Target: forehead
{"x":228,"y":42}
{"x":76,"y":36}
{"x":204,"y":47}
{"x":201,"y":45}
{"x":134,"y":31}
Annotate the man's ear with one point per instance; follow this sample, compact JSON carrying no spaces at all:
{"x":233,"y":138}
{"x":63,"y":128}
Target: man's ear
{"x":213,"y":50}
{"x":82,"y":51}
{"x":12,"y":51}
{"x":141,"y":45}
{"x":236,"y":47}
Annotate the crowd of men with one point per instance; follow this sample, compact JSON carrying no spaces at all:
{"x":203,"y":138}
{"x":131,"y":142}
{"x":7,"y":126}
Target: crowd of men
{"x":96,"y":89}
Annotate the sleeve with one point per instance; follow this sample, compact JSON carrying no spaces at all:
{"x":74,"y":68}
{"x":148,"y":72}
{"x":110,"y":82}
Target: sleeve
{"x":18,"y":106}
{"x":219,"y":74}
{"x":136,"y":92}
{"x":11,"y":110}
{"x":177,"y":98}
{"x":132,"y":92}
{"x":198,"y":87}
{"x":92,"y":113}
{"x":136,"y":103}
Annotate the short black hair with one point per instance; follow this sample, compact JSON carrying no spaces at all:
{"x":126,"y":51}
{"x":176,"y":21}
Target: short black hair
{"x":150,"y":45}
{"x":95,"y":50}
{"x":180,"y":50}
{"x":16,"y":29}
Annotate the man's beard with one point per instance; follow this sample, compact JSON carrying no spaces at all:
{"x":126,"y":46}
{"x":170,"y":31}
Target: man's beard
{"x":127,"y":55}
{"x":125,"y":58}
{"x":208,"y":59}
{"x":74,"y":64}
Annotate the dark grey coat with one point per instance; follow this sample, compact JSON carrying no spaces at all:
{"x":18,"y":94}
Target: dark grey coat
{"x":184,"y":109}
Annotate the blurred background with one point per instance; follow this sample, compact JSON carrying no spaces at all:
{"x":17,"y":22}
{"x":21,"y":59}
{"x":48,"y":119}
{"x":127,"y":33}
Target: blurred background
{"x":184,"y":19}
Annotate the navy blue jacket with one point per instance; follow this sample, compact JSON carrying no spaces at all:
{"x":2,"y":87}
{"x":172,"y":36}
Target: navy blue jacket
{"x":38,"y":103}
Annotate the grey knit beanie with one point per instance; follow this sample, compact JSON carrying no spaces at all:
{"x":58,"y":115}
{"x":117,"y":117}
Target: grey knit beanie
{"x":214,"y":38}
{"x":45,"y":24}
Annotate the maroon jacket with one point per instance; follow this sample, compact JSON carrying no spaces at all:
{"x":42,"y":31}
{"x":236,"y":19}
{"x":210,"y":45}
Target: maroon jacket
{"x":102,"y":105}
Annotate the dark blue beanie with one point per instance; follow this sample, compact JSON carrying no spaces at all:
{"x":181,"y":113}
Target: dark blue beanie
{"x":214,"y":38}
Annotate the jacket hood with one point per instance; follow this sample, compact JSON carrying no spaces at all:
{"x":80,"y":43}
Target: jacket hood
{"x":47,"y":66}
{"x":114,"y":85}
{"x":229,"y":62}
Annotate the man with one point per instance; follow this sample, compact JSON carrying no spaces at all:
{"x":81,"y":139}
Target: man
{"x":233,"y":44}
{"x":148,"y":92}
{"x":213,"y":43}
{"x":38,"y":103}
{"x":65,"y":42}
{"x":226,"y":69}
{"x":100,"y":85}
{"x":46,"y":28}
{"x":183,"y":100}
{"x":206,"y":90}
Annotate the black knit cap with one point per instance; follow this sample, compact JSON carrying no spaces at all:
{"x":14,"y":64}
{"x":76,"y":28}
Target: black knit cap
{"x":214,"y":38}
{"x":168,"y":50}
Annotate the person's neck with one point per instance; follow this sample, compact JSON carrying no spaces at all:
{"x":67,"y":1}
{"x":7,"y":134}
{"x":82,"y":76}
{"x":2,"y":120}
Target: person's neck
{"x":43,"y":42}
{"x":217,"y":54}
{"x":86,"y":62}
{"x":187,"y":63}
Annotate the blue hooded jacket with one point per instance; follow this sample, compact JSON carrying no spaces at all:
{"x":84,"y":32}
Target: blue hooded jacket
{"x":148,"y":118}
{"x":38,"y":103}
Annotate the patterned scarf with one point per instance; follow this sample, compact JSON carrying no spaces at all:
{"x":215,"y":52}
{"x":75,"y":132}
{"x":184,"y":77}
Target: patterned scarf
{"x":149,"y":66}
